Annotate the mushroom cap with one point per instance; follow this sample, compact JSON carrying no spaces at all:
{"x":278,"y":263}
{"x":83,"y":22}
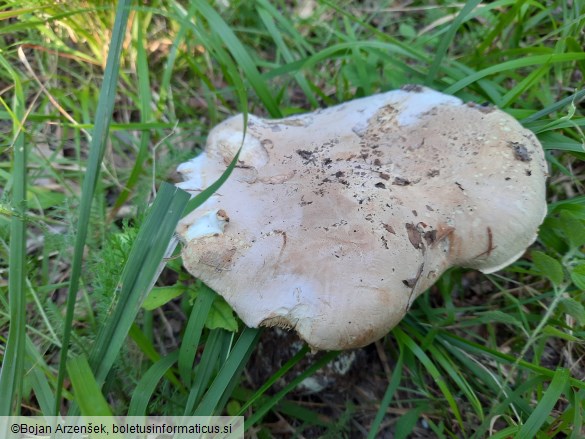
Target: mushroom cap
{"x":334,"y":221}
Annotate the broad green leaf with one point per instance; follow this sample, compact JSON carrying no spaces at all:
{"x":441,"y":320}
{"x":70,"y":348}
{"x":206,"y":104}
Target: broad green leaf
{"x":406,"y":423}
{"x":578,"y":276}
{"x":161,"y":295}
{"x":574,"y":308}
{"x":573,"y":228}
{"x":40,"y":197}
{"x":555,"y":332}
{"x":222,"y":316}
{"x":549,"y":267}
{"x":407,"y":31}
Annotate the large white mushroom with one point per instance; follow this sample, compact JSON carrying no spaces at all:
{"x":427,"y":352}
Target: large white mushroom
{"x":334,"y":221}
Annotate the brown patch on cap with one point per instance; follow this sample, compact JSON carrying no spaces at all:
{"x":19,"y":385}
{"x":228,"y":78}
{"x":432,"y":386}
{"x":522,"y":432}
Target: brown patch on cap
{"x":520,"y":152}
{"x":414,"y":236}
{"x":430,"y":237}
{"x":399,"y":181}
{"x":389,"y":228}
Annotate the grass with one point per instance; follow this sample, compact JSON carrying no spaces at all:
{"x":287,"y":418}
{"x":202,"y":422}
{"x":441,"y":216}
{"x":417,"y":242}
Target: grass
{"x":98,"y":316}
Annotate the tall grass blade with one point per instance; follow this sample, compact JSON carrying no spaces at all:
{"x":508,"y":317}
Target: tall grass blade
{"x":215,"y":45}
{"x":577,"y":418}
{"x":147,"y":384}
{"x":145,"y":100}
{"x":445,"y":41}
{"x":528,"y":61}
{"x":575,"y":98}
{"x":271,"y":402}
{"x":211,"y":361}
{"x":388,"y":396}
{"x":229,"y":373}
{"x":11,"y":374}
{"x":148,"y":349}
{"x":38,"y":371}
{"x":545,"y":405}
{"x":138,"y":276}
{"x":193,"y":331}
{"x":165,"y":88}
{"x":87,"y":391}
{"x":495,"y":355}
{"x":96,"y":153}
{"x":274,"y":378}
{"x":240,"y":54}
{"x":432,"y":370}
{"x":201,"y":197}
{"x":268,"y":14}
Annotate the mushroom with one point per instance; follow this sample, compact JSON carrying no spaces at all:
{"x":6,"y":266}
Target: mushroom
{"x":333,"y":222}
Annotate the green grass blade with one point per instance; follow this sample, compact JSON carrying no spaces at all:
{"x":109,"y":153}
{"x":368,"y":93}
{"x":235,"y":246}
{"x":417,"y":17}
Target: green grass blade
{"x":477,"y":348}
{"x":515,"y":64}
{"x":145,"y":100}
{"x":240,"y":54}
{"x":215,"y":45}
{"x":38,"y":378}
{"x":548,"y":401}
{"x":506,"y":433}
{"x":96,"y":153}
{"x":87,"y":391}
{"x":526,"y":84}
{"x":577,"y":418}
{"x":271,"y":402}
{"x":274,"y":378}
{"x":209,"y":364}
{"x":11,"y":374}
{"x":229,"y":372}
{"x":450,"y":367}
{"x":305,"y":415}
{"x":433,"y":371}
{"x":445,"y":41}
{"x":147,"y":384}
{"x":268,"y":13}
{"x":514,"y":403}
{"x":201,"y":197}
{"x":165,"y":86}
{"x":181,"y":73}
{"x":406,"y":423}
{"x":388,"y":396}
{"x":193,"y":331}
{"x":138,"y":276}
{"x":148,"y":349}
{"x":575,"y":97}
